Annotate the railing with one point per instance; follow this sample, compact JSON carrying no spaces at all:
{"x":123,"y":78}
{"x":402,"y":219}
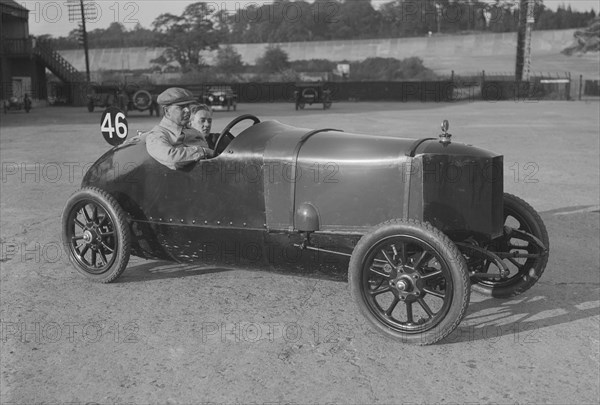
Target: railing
{"x":51,"y":58}
{"x":57,"y":64}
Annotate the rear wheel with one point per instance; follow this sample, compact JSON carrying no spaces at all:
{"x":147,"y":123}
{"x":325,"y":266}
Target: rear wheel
{"x":96,"y":235}
{"x":410,"y":281}
{"x":527,"y":259}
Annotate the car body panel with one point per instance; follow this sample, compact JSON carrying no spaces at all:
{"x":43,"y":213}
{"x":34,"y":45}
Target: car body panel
{"x":271,"y":171}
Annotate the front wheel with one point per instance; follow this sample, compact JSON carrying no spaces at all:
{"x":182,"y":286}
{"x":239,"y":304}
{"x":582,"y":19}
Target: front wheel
{"x":410,"y":281}
{"x":96,"y":235}
{"x":525,"y":258}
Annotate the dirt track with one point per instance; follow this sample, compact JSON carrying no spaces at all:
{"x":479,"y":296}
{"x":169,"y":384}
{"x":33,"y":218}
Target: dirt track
{"x":169,"y":333}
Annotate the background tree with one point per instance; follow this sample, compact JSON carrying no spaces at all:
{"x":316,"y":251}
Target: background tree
{"x":184,"y":36}
{"x":273,"y":60}
{"x":202,"y":27}
{"x":356,"y":19}
{"x":228,"y":60}
{"x":586,"y":40}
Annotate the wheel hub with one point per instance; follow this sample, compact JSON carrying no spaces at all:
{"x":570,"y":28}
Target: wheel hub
{"x":88,"y":237}
{"x":405,"y":283}
{"x":92,"y":236}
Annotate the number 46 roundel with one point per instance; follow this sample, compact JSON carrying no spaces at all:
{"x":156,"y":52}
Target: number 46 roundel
{"x":113,"y":126}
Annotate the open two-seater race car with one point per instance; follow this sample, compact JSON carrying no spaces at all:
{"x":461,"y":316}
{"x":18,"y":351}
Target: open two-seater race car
{"x":417,"y":223}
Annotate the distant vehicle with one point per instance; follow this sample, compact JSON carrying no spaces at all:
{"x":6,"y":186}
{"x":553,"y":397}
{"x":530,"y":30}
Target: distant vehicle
{"x":101,"y":96}
{"x":220,"y":98}
{"x":133,"y":98}
{"x":312,"y":93}
{"x":130,"y":98}
{"x":16,"y":103}
{"x":57,"y":100}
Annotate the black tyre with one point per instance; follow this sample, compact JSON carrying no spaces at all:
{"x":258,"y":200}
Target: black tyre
{"x":96,"y":235}
{"x":410,"y":281}
{"x":142,"y":100}
{"x":524,"y":271}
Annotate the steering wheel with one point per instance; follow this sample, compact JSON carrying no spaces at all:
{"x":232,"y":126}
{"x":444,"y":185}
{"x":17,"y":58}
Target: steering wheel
{"x":227,"y":129}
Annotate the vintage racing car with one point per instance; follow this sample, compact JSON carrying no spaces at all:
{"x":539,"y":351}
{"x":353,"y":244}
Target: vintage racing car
{"x":416,"y":223}
{"x":16,"y":103}
{"x":220,"y":98}
{"x":312,"y":93}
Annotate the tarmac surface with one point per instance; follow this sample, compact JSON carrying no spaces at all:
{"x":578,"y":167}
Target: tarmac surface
{"x":168,"y":333}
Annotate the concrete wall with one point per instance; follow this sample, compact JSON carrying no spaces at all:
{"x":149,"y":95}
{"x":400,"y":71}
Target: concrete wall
{"x":113,"y":58}
{"x":461,"y":53}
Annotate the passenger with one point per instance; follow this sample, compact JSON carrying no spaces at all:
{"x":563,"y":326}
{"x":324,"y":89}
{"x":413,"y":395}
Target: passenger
{"x":166,"y":141}
{"x":200,"y":125}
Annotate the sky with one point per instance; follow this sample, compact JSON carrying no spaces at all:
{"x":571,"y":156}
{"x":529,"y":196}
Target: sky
{"x":52,"y":17}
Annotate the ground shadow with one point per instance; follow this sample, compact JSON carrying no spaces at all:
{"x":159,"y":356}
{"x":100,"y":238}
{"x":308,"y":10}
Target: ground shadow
{"x":160,"y":270}
{"x":524,"y":317}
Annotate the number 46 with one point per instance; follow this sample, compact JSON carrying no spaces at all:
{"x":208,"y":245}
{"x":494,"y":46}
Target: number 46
{"x":120,"y":125}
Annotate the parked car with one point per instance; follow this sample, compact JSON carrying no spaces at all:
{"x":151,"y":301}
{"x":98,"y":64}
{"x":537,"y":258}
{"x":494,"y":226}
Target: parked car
{"x":220,"y":98}
{"x":134,"y":98}
{"x":417,"y":223}
{"x":127,"y":98}
{"x":101,"y":96}
{"x":16,"y":103}
{"x":312,"y":93}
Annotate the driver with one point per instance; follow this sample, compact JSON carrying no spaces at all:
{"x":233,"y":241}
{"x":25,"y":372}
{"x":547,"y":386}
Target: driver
{"x":166,"y":141}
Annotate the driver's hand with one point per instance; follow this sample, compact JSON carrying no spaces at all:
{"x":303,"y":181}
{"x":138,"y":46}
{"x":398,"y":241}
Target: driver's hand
{"x":205,"y":153}
{"x":209,"y":153}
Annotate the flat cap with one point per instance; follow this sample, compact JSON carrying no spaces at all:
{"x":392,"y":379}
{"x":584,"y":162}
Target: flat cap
{"x":176,"y":96}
